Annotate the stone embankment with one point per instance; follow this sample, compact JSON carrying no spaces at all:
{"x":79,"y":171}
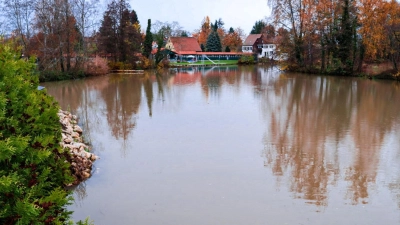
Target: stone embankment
{"x":80,"y":158}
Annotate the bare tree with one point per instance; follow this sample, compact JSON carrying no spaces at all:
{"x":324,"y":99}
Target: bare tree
{"x":85,"y":12}
{"x":173,"y":29}
{"x":18,"y":15}
{"x":56,"y":35}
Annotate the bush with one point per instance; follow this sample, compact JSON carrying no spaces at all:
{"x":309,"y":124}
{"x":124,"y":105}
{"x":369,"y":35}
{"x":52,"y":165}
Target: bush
{"x":246,"y":59}
{"x":120,"y":66}
{"x":145,"y":63}
{"x":33,"y":167}
{"x":96,"y":66}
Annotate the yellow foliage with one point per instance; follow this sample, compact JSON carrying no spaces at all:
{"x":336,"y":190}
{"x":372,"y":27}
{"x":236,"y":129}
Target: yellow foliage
{"x":145,"y":63}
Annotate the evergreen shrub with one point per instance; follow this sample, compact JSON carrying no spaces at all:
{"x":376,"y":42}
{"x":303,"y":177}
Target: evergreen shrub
{"x":33,"y":166}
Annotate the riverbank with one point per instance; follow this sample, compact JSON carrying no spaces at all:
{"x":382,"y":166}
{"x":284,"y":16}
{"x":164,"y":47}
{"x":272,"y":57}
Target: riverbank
{"x":368,"y":72}
{"x":81,"y":159}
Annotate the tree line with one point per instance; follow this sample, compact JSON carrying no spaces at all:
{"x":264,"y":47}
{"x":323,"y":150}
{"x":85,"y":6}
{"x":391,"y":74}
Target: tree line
{"x":55,"y":31}
{"x":330,"y":36}
{"x":338,"y":36}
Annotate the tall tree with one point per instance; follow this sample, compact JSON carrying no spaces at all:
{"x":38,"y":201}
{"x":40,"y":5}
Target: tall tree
{"x":291,"y":14}
{"x":232,"y":40}
{"x":119,"y":33}
{"x":148,"y":41}
{"x":159,"y":54}
{"x":345,"y":37}
{"x":393,"y":32}
{"x":205,"y":30}
{"x":108,"y":35}
{"x":213,"y":42}
{"x":56,"y":35}
{"x":84,"y":12}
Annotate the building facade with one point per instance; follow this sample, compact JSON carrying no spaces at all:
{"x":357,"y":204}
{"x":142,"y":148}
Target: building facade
{"x":258,"y":45}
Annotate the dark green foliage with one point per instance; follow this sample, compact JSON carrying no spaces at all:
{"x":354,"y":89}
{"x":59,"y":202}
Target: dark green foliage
{"x":119,"y":35}
{"x":246,"y":59}
{"x":215,"y":26}
{"x":213,"y":42}
{"x":108,"y":35}
{"x":33,"y":167}
{"x":184,"y":34}
{"x":258,"y":27}
{"x":227,"y":49}
{"x":220,"y":23}
{"x":160,"y":41}
{"x":203,"y":49}
{"x":231,"y":30}
{"x":148,"y":41}
{"x":345,"y":37}
{"x":133,"y":17}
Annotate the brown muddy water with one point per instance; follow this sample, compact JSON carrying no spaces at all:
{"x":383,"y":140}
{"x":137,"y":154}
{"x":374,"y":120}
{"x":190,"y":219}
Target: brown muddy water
{"x":245,"y":145}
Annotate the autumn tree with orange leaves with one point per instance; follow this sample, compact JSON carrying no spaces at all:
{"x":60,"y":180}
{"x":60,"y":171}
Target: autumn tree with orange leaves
{"x":233,"y":38}
{"x":338,"y":36}
{"x":205,"y":30}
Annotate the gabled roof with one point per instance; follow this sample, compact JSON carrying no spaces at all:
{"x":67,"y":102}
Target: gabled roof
{"x":251,"y":39}
{"x":185,"y":44}
{"x":274,"y":40}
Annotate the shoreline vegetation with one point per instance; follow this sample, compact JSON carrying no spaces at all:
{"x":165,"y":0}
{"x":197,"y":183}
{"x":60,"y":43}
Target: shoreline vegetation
{"x":35,"y":169}
{"x":378,"y":70}
{"x":341,"y":38}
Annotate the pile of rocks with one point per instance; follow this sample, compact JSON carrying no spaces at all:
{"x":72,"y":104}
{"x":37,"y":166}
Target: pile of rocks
{"x":81,"y":159}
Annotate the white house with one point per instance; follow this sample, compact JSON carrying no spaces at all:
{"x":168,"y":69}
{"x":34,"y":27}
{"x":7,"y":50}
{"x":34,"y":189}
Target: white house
{"x":257,"y":44}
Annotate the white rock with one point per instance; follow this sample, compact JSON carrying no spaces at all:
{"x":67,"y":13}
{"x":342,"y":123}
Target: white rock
{"x":75,"y":135}
{"x":78,"y":129}
{"x":68,"y":140}
{"x":86,"y":174}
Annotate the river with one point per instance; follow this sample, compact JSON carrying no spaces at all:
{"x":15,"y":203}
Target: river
{"x":229,"y":145}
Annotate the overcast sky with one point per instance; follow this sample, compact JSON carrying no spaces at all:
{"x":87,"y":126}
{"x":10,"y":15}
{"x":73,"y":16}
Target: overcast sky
{"x":190,"y":13}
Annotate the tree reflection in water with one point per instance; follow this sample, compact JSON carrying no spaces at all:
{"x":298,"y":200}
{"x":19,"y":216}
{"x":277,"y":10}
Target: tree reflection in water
{"x":320,"y":132}
{"x":315,"y":124}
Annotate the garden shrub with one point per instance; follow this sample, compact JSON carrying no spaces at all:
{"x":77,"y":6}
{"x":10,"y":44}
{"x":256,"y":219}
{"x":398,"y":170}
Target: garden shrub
{"x":246,"y":59}
{"x":96,"y":66}
{"x":33,"y":167}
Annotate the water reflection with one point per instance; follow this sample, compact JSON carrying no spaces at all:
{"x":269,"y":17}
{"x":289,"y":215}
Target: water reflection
{"x":326,"y":139}
{"x":316,"y":124}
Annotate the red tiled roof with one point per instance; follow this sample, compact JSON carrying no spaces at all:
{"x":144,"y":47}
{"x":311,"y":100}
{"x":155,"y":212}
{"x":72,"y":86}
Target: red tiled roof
{"x":185,"y":44}
{"x":251,"y":39}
